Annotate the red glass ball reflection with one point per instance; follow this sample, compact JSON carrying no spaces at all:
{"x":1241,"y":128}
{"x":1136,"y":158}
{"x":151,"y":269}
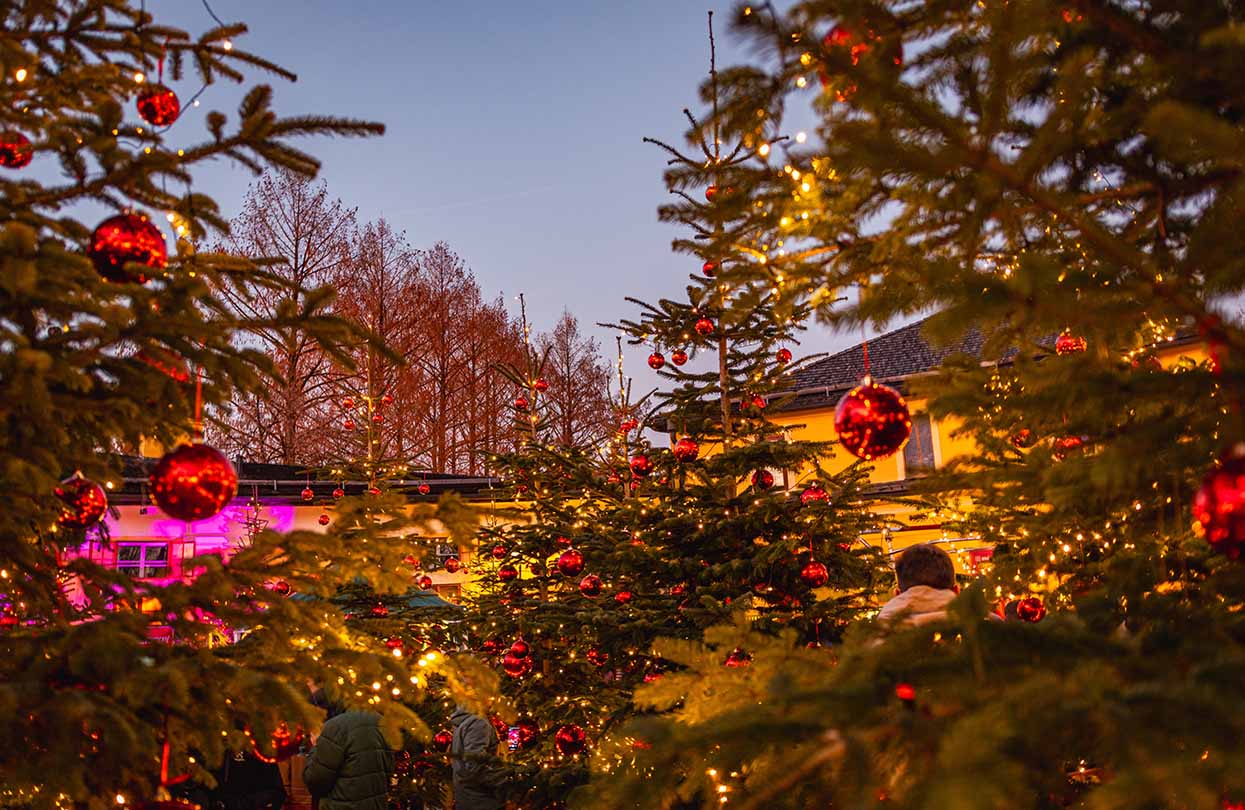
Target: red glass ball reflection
{"x":704,"y":327}
{"x":15,"y":150}
{"x":84,"y":502}
{"x":1219,"y":505}
{"x":308,"y":494}
{"x":571,"y":563}
{"x":590,"y":586}
{"x":520,"y":403}
{"x":656,"y":360}
{"x":872,"y":421}
{"x":424,"y":582}
{"x":1030,"y":609}
{"x":812,"y":494}
{"x":442,"y":739}
{"x":507,"y":573}
{"x":529,"y":732}
{"x":1068,"y":343}
{"x":193,"y":482}
{"x":783,"y":356}
{"x":453,"y":565}
{"x":158,"y":106}
{"x":570,"y":739}
{"x":762,"y":479}
{"x":515,"y":666}
{"x":127,"y":239}
{"x":641,"y":465}
{"x":685,"y":450}
{"x":324,"y":519}
{"x":814,"y":574}
{"x":678,"y":357}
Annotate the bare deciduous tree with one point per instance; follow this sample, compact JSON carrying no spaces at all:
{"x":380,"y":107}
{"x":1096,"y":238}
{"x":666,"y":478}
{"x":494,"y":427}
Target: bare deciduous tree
{"x":577,"y":402}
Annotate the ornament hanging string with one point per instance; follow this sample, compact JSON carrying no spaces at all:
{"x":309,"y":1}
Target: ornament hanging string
{"x":198,"y":420}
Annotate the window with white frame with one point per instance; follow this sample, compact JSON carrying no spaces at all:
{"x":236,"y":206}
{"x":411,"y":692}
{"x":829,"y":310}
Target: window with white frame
{"x":918,"y":453}
{"x":143,"y":560}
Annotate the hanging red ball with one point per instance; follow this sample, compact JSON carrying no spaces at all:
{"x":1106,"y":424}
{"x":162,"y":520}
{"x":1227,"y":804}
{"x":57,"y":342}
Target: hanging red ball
{"x":15,"y":150}
{"x":1219,"y":505}
{"x":656,"y":360}
{"x":84,"y":502}
{"x":872,"y":420}
{"x":1030,"y":609}
{"x":814,"y":574}
{"x":905,"y":692}
{"x":813,"y":493}
{"x":1065,"y":446}
{"x":373,"y":490}
{"x":281,"y":587}
{"x":597,"y":657}
{"x":529,"y":732}
{"x":387,"y":399}
{"x":514,"y":666}
{"x":564,"y":541}
{"x":348,"y":403}
{"x":737,"y":658}
{"x":308,"y":494}
{"x":623,"y":597}
{"x":571,"y":563}
{"x":127,"y":239}
{"x":499,"y":551}
{"x":520,"y":403}
{"x":339,"y":493}
{"x":590,"y":586}
{"x":762,"y":479}
{"x":324,"y":519}
{"x":711,"y":192}
{"x":759,"y":402}
{"x":424,"y":489}
{"x":348,"y":424}
{"x":1022,"y":439}
{"x":709,"y":268}
{"x":1068,"y":343}
{"x":193,"y":482}
{"x":678,"y":357}
{"x":393,"y":643}
{"x":685,"y":450}
{"x":453,"y":564}
{"x":377,"y":418}
{"x":704,"y":327}
{"x":628,"y":425}
{"x":783,"y":356}
{"x":442,"y":739}
{"x":520,"y":648}
{"x":641,"y":465}
{"x":424,"y":582}
{"x":507,"y":573}
{"x":541,"y":384}
{"x":158,"y":105}
{"x":379,"y":610}
{"x":570,"y":740}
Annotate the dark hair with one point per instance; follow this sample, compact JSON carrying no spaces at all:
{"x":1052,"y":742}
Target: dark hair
{"x":925,"y":565}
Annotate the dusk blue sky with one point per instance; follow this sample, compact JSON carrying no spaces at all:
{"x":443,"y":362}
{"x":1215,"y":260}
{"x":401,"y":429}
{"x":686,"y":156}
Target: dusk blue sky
{"x":514,"y":133}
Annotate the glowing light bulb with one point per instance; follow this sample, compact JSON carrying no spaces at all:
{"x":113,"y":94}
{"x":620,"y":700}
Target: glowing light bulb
{"x":21,"y":74}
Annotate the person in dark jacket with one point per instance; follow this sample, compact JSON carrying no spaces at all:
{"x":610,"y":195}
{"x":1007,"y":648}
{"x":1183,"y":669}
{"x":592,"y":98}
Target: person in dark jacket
{"x":473,"y":757}
{"x":350,"y":766}
{"x":245,"y":782}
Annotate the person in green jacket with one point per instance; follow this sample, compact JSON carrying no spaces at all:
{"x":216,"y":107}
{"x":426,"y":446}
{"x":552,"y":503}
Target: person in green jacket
{"x":350,"y":766}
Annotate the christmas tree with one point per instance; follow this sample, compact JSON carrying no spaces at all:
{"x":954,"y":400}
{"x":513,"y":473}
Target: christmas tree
{"x":1061,"y":177}
{"x":109,"y":343}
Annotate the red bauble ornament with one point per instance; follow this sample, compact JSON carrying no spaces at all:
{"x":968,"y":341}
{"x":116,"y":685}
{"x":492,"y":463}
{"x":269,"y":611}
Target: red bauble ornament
{"x":15,"y":150}
{"x":905,"y":692}
{"x":379,"y":610}
{"x":507,"y":573}
{"x":641,"y":465}
{"x":704,"y":327}
{"x":759,"y":402}
{"x":442,"y":739}
{"x":541,"y":384}
{"x":685,"y":450}
{"x":590,"y":586}
{"x":308,"y":494}
{"x":628,"y":425}
{"x":520,"y":648}
{"x":571,"y":563}
{"x":872,"y":420}
{"x":348,"y":403}
{"x":812,"y":494}
{"x":570,"y":740}
{"x":281,"y":587}
{"x":127,"y":239}
{"x":709,"y":268}
{"x":373,"y":491}
{"x":387,"y":399}
{"x":1219,"y":505}
{"x":1066,"y":445}
{"x":656,"y":360}
{"x":783,"y":356}
{"x":814,"y":574}
{"x":424,"y":582}
{"x":520,"y":403}
{"x":598,"y":658}
{"x":529,"y":732}
{"x":499,"y":551}
{"x":762,"y":479}
{"x":1068,"y":343}
{"x":841,"y":37}
{"x":711,"y":192}
{"x":515,"y":666}
{"x":377,"y":418}
{"x":623,"y":597}
{"x":490,"y":646}
{"x":193,"y":482}
{"x":85,"y":502}
{"x":678,"y":590}
{"x":339,"y":493}
{"x":1030,"y":609}
{"x":738,"y":658}
{"x":424,"y":489}
{"x":348,"y":424}
{"x":453,"y":564}
{"x":393,"y":643}
{"x":284,"y":744}
{"x":678,"y":357}
{"x":564,"y":541}
{"x":1022,"y":439}
{"x":158,"y":105}
{"x":324,"y":519}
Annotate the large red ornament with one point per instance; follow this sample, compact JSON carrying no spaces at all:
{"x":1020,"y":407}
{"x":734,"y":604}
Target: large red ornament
{"x":520,"y":403}
{"x":598,"y":657}
{"x":127,"y":239}
{"x":872,"y":420}
{"x":678,"y":357}
{"x":783,"y":356}
{"x":499,"y":551}
{"x":424,"y":582}
{"x":453,"y":564}
{"x":308,"y":494}
{"x":709,"y":268}
{"x":193,"y":482}
{"x":704,"y":327}
{"x":571,"y":563}
{"x":814,"y":574}
{"x":85,"y":502}
{"x":1219,"y":505}
{"x":284,"y":744}
{"x":529,"y":732}
{"x":442,"y":739}
{"x":158,"y":105}
{"x":515,"y":666}
{"x":520,"y":648}
{"x":507,"y":573}
{"x":656,"y":360}
{"x":1068,"y":343}
{"x":570,"y":740}
{"x":641,"y":465}
{"x":339,"y":493}
{"x":762,"y":479}
{"x":905,"y":692}
{"x":737,"y":658}
{"x":1030,"y":609}
{"x":423,"y":489}
{"x":711,"y":192}
{"x":685,"y":450}
{"x":812,"y":494}
{"x":15,"y":150}
{"x":324,"y":519}
{"x":590,"y":586}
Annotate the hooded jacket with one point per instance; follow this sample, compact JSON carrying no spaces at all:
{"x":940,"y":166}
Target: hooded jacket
{"x":477,"y":778}
{"x":916,"y":606}
{"x":350,"y":766}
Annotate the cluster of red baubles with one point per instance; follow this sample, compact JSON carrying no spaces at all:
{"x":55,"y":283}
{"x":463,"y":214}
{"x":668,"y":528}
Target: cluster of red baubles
{"x":522,"y":403}
{"x":378,"y":418}
{"x":517,"y":661}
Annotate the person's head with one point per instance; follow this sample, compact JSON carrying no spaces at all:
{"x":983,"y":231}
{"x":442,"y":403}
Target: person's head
{"x":925,"y":565}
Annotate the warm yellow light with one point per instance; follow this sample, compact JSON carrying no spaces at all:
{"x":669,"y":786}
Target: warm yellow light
{"x":763,"y":151}
{"x":227,"y":45}
{"x":21,"y":74}
{"x":801,"y":137}
{"x":139,"y":78}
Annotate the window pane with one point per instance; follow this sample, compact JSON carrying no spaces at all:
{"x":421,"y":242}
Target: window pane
{"x":129,"y":553}
{"x":160,"y":552}
{"x":918,"y":453}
